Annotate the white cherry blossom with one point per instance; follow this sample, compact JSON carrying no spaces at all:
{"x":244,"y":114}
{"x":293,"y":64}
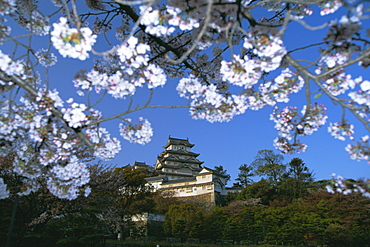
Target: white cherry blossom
{"x":4,"y":193}
{"x":71,"y":41}
{"x":140,"y":133}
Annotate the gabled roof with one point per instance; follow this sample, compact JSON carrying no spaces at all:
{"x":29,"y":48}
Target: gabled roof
{"x":156,"y":178}
{"x":207,"y":170}
{"x":181,"y":152}
{"x":139,"y":164}
{"x":176,"y":141}
{"x":174,"y":174}
{"x":180,"y":166}
{"x":177,"y":159}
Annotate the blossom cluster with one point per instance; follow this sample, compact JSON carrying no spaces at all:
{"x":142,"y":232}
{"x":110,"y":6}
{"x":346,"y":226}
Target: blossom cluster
{"x":158,"y":23}
{"x":283,"y":144}
{"x":208,"y":103}
{"x":340,"y":130}
{"x":25,"y":126}
{"x":106,"y":148}
{"x":212,"y":104}
{"x":140,"y":133}
{"x":269,"y":49}
{"x":340,"y":185}
{"x":297,"y":9}
{"x":329,"y":7}
{"x":75,"y":115}
{"x":67,"y":179}
{"x":283,"y":85}
{"x":37,"y":23}
{"x":289,"y":124}
{"x":4,"y":193}
{"x":9,"y":66}
{"x":360,"y":150}
{"x":361,"y":96}
{"x":342,"y":32}
{"x":129,"y":69}
{"x":241,"y":72}
{"x":72,"y":42}
{"x":45,"y":58}
{"x":33,"y":125}
{"x":7,"y":6}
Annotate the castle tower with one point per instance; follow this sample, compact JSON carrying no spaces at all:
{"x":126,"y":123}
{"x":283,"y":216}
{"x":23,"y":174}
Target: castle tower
{"x":179,"y":171}
{"x":178,"y":161}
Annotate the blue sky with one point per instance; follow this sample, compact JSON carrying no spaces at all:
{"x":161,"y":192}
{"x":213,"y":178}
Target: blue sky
{"x":228,"y":144}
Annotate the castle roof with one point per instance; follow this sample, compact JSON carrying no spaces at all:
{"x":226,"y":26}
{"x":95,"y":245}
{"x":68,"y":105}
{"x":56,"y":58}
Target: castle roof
{"x":178,"y":159}
{"x":207,"y":170}
{"x":179,"y":166}
{"x":139,"y":164}
{"x":181,"y":152}
{"x":176,"y":141}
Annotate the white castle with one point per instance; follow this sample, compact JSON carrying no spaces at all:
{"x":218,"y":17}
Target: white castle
{"x":181,"y":172}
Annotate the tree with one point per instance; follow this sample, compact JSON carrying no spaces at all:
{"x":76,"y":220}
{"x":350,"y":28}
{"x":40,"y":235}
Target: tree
{"x":185,"y":221}
{"x":297,"y":169}
{"x":337,"y":235}
{"x":260,"y":190}
{"x":296,"y":182}
{"x":215,"y":223}
{"x":269,"y":165}
{"x":134,"y":197}
{"x":220,"y":169}
{"x":222,"y":52}
{"x":348,"y":216}
{"x":45,"y":220}
{"x":245,"y":172}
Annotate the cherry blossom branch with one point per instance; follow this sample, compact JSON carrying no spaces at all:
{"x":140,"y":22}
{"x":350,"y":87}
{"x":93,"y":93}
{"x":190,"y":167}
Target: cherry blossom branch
{"x":365,"y":53}
{"x":316,"y":79}
{"x":122,"y":2}
{"x":198,"y":38}
{"x":308,"y":27}
{"x":56,"y":112}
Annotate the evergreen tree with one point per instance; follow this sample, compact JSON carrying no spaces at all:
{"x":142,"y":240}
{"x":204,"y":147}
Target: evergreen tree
{"x":245,"y":172}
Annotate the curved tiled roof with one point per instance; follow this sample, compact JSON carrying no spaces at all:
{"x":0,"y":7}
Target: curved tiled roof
{"x":177,"y":159}
{"x":182,"y":152}
{"x":176,"y":141}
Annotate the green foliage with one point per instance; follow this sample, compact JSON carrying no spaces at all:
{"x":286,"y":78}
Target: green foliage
{"x":76,"y":230}
{"x":291,"y":189}
{"x":44,"y":220}
{"x":215,"y":223}
{"x":337,"y":235}
{"x":312,"y":219}
{"x":297,"y":169}
{"x":220,"y":169}
{"x":269,"y":165}
{"x":262,"y":189}
{"x":263,"y":212}
{"x":245,"y":172}
{"x":185,"y":221}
